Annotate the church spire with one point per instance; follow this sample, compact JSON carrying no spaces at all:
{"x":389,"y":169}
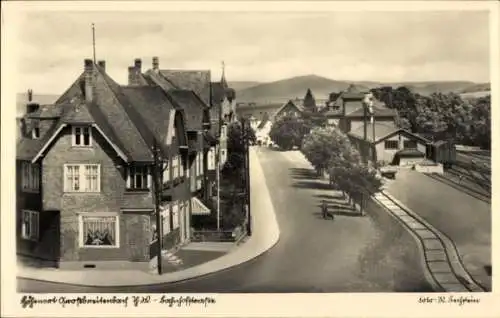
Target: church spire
{"x":223,"y":78}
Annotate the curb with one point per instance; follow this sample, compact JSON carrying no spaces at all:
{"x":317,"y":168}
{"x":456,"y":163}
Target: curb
{"x":267,"y":237}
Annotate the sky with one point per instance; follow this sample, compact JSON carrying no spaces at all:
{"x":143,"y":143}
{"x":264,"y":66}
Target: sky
{"x":257,"y":46}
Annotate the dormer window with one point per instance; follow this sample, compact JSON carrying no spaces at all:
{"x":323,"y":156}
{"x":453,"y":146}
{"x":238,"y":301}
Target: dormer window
{"x":82,"y":136}
{"x":35,"y":133}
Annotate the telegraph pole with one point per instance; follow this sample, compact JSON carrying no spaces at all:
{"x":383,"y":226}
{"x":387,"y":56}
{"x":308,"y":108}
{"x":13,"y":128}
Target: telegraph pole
{"x":247,"y":174}
{"x":93,"y":41}
{"x":157,"y":167}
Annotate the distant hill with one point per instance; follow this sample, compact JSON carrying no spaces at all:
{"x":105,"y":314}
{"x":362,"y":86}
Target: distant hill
{"x":240,"y":85}
{"x":477,"y":88}
{"x":321,"y":87}
{"x":291,"y":88}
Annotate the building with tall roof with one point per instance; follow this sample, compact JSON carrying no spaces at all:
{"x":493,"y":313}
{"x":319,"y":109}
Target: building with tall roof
{"x":85,"y":194}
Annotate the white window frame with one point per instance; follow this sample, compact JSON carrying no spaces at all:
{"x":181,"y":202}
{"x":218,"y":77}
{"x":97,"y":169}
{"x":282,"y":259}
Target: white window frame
{"x":34,"y":225}
{"x":81,"y":238}
{"x":390,"y":148}
{"x":200,"y":164}
{"x":166,"y":172}
{"x":181,"y":168}
{"x":175,"y":167}
{"x":82,"y":178}
{"x":165,"y":220}
{"x":30,"y":177}
{"x":81,"y":130}
{"x":131,"y":181}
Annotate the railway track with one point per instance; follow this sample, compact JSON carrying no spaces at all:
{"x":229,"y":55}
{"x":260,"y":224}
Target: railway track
{"x":441,"y":256}
{"x":461,"y":187}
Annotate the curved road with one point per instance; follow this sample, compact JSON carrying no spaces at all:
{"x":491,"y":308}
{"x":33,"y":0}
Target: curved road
{"x":350,"y":254}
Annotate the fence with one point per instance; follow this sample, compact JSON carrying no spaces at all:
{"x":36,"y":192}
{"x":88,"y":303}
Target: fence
{"x":218,"y":236}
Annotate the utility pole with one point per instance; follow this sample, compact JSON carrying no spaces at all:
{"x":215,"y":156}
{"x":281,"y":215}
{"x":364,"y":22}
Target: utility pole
{"x":157,"y":176}
{"x":247,"y":174}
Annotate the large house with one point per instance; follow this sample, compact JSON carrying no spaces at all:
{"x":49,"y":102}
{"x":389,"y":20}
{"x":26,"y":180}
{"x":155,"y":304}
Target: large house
{"x":290,"y":108}
{"x":85,"y":188}
{"x":219,"y":100}
{"x":372,"y":129}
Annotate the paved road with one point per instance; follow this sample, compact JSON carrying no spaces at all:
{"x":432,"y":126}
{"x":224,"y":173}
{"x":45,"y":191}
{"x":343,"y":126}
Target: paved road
{"x":349,"y":254}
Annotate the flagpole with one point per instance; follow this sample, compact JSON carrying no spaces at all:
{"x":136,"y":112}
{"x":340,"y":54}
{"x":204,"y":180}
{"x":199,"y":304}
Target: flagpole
{"x":93,"y":40}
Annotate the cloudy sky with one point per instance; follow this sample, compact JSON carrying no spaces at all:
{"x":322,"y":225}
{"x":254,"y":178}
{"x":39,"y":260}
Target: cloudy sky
{"x":378,"y":46}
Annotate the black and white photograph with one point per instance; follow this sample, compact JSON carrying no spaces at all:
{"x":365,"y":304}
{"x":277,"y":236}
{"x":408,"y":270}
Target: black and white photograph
{"x":247,"y":150}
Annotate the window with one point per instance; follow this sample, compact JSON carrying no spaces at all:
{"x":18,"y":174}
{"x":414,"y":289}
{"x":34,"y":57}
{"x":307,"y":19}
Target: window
{"x":30,"y":225}
{"x":165,"y":212}
{"x":391,"y":144}
{"x":99,"y":230}
{"x":35,"y":133}
{"x":30,"y":178}
{"x":175,"y":163}
{"x":175,"y":215}
{"x":166,"y":172}
{"x":410,"y":144}
{"x":82,"y":178}
{"x":181,"y":168}
{"x":199,"y":162}
{"x":82,"y":136}
{"x":138,"y":178}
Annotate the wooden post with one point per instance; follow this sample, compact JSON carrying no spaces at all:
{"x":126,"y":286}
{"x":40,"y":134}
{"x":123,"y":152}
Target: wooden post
{"x":157,"y":167}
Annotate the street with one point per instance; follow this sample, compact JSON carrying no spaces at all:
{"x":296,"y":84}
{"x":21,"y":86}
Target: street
{"x":349,"y":254}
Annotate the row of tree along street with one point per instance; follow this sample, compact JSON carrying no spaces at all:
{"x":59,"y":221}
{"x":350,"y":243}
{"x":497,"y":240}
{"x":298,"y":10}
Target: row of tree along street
{"x":438,"y":116}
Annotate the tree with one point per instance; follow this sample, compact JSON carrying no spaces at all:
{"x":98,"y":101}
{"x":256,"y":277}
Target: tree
{"x":288,"y":131}
{"x":481,"y":122}
{"x":329,"y":148}
{"x":310,"y":102}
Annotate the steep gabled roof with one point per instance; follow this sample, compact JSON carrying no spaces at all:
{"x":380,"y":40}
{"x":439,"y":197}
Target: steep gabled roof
{"x":381,"y":130}
{"x":151,"y":108}
{"x":218,"y":93}
{"x":28,"y":148}
{"x":47,"y":111}
{"x":377,"y":112}
{"x":197,"y":81}
{"x":384,"y":131}
{"x":290,"y":102}
{"x":192,"y":105}
{"x":111,"y":112}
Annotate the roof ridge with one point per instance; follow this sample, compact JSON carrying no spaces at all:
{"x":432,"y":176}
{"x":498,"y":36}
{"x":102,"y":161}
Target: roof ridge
{"x":110,"y":83}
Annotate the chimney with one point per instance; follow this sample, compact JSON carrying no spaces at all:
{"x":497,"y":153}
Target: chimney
{"x":138,"y":65}
{"x":102,"y":64}
{"x":89,"y":80}
{"x":30,"y":95}
{"x":156,"y":64}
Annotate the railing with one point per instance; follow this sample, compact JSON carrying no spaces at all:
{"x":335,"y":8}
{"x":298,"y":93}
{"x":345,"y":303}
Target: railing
{"x":217,"y":236}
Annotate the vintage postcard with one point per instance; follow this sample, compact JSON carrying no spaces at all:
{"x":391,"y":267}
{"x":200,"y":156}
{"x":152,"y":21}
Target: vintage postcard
{"x":249,"y":158}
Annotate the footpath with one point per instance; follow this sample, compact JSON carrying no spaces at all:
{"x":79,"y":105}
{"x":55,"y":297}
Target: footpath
{"x":265,"y":234}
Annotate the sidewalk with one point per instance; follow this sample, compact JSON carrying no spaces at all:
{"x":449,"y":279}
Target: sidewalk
{"x":265,"y":234}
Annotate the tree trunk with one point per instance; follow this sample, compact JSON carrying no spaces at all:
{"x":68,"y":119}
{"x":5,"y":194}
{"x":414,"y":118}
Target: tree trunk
{"x":362,"y":205}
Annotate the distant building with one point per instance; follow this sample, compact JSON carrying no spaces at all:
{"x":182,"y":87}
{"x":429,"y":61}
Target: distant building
{"x":388,"y":144}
